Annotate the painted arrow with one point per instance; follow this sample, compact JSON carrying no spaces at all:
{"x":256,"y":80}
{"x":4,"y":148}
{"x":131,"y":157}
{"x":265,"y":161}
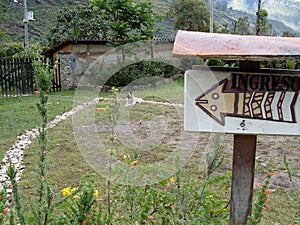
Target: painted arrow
{"x":264,"y":105}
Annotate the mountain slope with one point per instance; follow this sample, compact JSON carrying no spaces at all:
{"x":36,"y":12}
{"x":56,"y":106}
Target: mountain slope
{"x":286,"y":11}
{"x":11,"y":16}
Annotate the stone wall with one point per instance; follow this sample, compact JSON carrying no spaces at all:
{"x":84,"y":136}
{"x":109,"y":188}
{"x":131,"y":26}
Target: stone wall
{"x":67,"y":70}
{"x":74,"y":64}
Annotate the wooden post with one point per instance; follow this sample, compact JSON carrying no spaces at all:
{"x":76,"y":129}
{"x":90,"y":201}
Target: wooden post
{"x":242,"y":178}
{"x":235,"y":47}
{"x":244,"y":150}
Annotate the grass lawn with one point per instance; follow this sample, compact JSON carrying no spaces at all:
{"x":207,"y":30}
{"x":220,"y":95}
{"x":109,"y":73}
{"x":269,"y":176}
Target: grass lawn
{"x":18,"y":114}
{"x":63,"y":150}
{"x":66,"y":163}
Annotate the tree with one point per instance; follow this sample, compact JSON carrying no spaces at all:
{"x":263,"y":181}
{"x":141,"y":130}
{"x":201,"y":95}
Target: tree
{"x":242,"y":26}
{"x":80,"y":21}
{"x":128,"y":21}
{"x":11,"y":50}
{"x":288,"y":34}
{"x":2,"y":35}
{"x":262,"y":25}
{"x":122,"y":20}
{"x":265,"y":26}
{"x":192,"y":15}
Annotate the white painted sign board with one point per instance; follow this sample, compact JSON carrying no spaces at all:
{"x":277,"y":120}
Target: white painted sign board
{"x":242,"y":103}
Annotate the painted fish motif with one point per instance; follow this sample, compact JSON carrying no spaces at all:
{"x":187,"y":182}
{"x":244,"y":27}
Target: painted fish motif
{"x":220,"y":101}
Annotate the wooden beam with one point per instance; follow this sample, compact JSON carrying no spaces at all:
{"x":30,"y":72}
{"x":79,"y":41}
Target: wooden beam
{"x":235,"y":47}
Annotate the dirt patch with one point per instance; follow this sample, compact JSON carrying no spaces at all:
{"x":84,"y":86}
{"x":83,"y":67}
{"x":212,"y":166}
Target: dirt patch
{"x":150,"y":127}
{"x":270,"y":153}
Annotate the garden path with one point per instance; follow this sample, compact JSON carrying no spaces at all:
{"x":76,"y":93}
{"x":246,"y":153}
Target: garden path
{"x":266,"y":146}
{"x":16,"y":152}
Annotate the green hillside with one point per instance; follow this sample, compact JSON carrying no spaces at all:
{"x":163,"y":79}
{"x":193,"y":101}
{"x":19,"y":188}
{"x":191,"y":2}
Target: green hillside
{"x":278,"y":26}
{"x":12,"y":14}
{"x":12,"y":31}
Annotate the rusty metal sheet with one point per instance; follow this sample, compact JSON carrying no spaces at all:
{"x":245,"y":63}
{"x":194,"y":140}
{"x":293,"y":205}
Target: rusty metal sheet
{"x":235,"y":47}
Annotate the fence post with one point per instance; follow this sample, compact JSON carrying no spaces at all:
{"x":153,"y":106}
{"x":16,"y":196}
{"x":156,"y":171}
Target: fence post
{"x":16,"y":76}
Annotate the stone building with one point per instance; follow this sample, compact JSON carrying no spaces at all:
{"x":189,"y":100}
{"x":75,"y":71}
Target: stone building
{"x":77,"y":55}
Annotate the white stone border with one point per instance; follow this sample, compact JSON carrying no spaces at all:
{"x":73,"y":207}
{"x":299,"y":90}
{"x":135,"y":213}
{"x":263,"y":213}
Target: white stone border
{"x":16,"y":152}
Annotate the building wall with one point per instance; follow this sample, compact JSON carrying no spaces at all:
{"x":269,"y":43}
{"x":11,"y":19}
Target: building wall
{"x":74,"y":63}
{"x":76,"y":59}
{"x":66,"y":71}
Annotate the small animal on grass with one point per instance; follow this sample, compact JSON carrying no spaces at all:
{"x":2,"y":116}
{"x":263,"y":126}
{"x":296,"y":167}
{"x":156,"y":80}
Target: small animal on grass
{"x":131,"y":100}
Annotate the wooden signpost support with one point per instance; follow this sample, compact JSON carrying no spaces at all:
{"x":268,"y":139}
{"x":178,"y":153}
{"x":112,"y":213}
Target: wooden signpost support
{"x":244,"y":151}
{"x":242,"y":101}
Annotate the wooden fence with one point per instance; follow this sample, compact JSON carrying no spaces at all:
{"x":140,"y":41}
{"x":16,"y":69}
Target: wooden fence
{"x":17,"y":77}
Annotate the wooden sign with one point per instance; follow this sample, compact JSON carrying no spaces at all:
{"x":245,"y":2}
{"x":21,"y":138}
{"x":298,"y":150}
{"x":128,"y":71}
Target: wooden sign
{"x":242,"y":102}
{"x":235,"y":47}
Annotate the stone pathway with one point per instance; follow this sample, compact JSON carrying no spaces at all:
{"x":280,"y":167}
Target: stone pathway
{"x":16,"y":152}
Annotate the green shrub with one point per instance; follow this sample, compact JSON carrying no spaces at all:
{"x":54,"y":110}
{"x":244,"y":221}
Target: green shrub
{"x":8,"y":51}
{"x":140,"y":70}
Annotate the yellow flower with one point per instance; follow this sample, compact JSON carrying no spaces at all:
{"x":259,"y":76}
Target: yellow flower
{"x":96,"y":193}
{"x":124,"y":157}
{"x":172,"y":179}
{"x":66,"y":191}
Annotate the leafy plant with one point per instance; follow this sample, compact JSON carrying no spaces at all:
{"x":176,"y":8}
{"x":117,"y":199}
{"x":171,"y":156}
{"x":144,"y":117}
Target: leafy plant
{"x":192,"y":15}
{"x":4,"y":211}
{"x":79,"y":21}
{"x":11,"y":50}
{"x":81,"y":205}
{"x":11,"y":173}
{"x":287,"y":166}
{"x":242,"y":26}
{"x":42,"y":208}
{"x":118,"y":21}
{"x":135,"y":72}
{"x":260,"y":204}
